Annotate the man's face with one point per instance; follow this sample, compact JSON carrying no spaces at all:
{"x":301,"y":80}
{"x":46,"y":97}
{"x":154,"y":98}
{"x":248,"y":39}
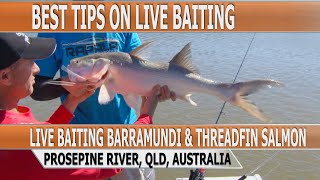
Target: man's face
{"x":23,"y":77}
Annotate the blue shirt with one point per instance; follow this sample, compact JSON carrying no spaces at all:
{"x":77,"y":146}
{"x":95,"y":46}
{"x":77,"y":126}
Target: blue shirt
{"x":72,"y":45}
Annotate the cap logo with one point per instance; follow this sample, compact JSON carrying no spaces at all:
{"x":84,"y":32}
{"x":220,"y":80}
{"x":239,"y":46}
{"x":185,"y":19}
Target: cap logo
{"x":26,"y":38}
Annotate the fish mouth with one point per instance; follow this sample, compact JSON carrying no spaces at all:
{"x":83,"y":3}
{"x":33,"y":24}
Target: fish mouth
{"x":99,"y":71}
{"x":74,"y":77}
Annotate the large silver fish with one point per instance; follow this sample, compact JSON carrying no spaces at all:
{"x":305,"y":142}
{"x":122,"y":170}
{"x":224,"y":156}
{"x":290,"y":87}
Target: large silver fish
{"x":133,"y":76}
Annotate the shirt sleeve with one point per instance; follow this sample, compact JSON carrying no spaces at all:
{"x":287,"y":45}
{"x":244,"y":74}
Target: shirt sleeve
{"x":60,"y":116}
{"x":50,"y":66}
{"x":132,"y":41}
{"x":144,"y":119}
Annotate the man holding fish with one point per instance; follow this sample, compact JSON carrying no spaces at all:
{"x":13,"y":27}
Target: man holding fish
{"x":73,"y":45}
{"x":17,"y":77}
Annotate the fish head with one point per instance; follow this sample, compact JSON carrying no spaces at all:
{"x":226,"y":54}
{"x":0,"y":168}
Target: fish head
{"x":90,"y":69}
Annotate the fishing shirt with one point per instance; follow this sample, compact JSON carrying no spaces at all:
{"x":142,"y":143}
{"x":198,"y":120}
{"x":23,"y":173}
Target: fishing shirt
{"x":72,"y":45}
{"x":23,"y":165}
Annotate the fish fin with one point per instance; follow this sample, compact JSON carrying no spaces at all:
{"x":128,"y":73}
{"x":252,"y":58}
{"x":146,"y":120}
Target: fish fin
{"x":183,"y":60}
{"x":132,"y":101}
{"x":188,"y":99}
{"x":245,"y":104}
{"x":237,"y":93}
{"x":105,"y":96}
{"x":138,"y":49}
{"x":246,"y":88}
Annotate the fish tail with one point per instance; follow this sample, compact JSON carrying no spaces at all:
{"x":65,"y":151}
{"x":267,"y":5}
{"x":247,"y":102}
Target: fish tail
{"x":237,"y":93}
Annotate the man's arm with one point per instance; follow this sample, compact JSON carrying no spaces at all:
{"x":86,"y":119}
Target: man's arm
{"x":149,"y":103}
{"x":64,"y":113}
{"x":44,"y":92}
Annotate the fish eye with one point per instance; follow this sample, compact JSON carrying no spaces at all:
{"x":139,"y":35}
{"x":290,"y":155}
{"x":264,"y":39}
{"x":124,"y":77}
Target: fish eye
{"x":77,"y":61}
